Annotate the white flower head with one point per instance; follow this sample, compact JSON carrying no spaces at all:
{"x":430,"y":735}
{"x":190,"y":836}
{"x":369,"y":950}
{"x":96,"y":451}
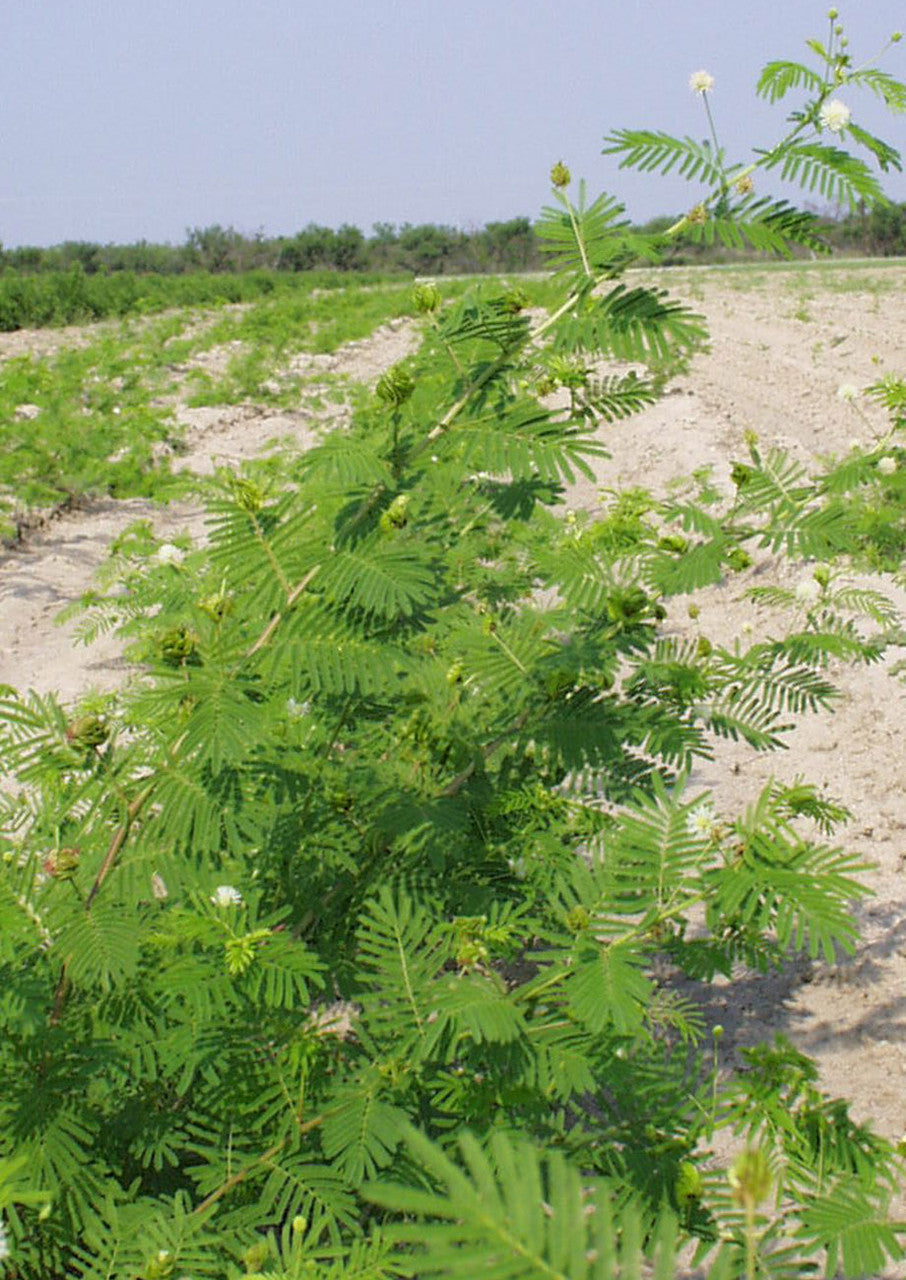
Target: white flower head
{"x":807,"y":591}
{"x":887,"y":465}
{"x":159,"y":887}
{"x":847,"y":391}
{"x":4,"y":1241}
{"x":226,"y":896}
{"x":169,"y":553}
{"x":701,"y":82}
{"x":834,"y":115}
{"x":702,"y":822}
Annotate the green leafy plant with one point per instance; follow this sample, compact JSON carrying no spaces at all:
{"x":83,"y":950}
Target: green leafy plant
{"x":346,"y":940}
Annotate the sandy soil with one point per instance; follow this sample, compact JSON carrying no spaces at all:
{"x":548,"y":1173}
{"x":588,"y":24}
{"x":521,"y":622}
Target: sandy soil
{"x":780,"y":349}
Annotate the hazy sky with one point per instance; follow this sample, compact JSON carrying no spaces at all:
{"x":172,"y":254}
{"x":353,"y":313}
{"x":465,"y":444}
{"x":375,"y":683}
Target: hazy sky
{"x":131,"y":119}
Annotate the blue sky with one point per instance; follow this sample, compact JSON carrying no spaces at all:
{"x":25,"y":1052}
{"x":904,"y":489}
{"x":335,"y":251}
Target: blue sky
{"x":137,"y":119}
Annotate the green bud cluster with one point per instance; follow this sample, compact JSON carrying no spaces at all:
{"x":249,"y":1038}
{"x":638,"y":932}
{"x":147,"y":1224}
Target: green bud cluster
{"x":560,"y":175}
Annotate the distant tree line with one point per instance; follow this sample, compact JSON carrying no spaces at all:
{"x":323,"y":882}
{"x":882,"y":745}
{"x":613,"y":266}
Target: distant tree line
{"x":426,"y":249}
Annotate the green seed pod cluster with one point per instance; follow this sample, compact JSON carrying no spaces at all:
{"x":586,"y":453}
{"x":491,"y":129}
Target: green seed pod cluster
{"x":395,"y":386}
{"x":178,"y":646}
{"x":738,"y":559}
{"x":86,"y":732}
{"x":426,"y":298}
{"x":514,"y":301}
{"x":216,"y":606}
{"x":741,"y":473}
{"x":627,"y":606}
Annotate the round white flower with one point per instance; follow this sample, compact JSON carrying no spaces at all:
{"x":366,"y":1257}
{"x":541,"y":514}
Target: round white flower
{"x":834,"y":115}
{"x":702,"y":822}
{"x":807,"y":591}
{"x":887,"y":465}
{"x":169,"y":553}
{"x":701,"y":82}
{"x":847,"y":391}
{"x":226,"y":896}
{"x":4,"y":1242}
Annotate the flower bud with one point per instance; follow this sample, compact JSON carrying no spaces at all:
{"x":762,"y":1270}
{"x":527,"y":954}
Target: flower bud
{"x":398,"y":511}
{"x":896,"y":37}
{"x":560,"y":175}
{"x":697,"y":215}
{"x":578,"y":919}
{"x":832,"y":14}
{"x":689,"y":1184}
{"x":750,"y":1178}
{"x":744,"y":185}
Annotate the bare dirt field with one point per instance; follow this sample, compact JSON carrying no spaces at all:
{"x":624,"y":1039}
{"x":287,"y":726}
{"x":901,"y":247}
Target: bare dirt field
{"x":783,"y":341}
